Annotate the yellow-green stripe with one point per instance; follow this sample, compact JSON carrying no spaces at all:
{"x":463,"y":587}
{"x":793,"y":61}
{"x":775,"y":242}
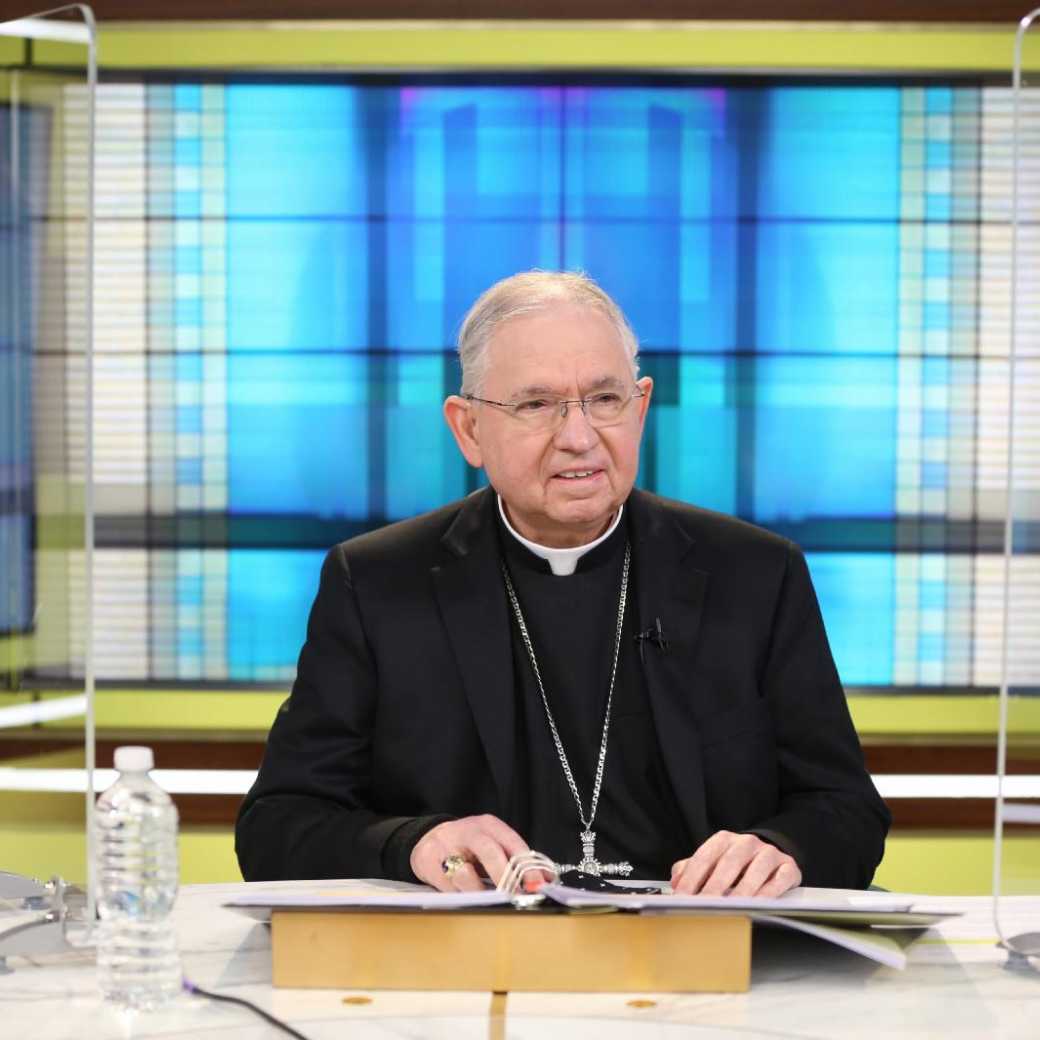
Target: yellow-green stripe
{"x":470,"y":45}
{"x":250,"y":711}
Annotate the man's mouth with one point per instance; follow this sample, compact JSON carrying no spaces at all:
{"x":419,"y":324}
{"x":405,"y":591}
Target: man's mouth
{"x":578,"y":474}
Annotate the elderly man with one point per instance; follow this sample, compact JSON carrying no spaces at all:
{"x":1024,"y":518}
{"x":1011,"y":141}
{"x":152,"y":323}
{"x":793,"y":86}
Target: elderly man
{"x":627,"y":684}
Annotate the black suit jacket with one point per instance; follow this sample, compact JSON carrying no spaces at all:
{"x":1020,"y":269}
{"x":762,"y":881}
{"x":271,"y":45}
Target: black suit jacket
{"x":403,"y":704}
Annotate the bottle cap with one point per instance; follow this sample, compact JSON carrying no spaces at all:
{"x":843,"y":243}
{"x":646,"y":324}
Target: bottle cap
{"x":132,"y":759}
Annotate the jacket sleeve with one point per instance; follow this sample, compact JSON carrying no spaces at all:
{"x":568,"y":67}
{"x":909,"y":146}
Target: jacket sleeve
{"x":309,"y":813}
{"x":830,"y":818}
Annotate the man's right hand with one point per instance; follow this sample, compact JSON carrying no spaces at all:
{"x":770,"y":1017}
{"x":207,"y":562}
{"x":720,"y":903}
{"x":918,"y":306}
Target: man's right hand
{"x":484,"y":842}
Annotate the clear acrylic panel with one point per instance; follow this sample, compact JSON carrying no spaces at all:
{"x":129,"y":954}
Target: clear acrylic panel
{"x":47,"y":86}
{"x":1017,"y":836}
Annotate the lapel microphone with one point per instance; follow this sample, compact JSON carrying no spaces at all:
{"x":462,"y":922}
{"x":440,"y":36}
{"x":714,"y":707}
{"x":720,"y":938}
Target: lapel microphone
{"x":653,"y":635}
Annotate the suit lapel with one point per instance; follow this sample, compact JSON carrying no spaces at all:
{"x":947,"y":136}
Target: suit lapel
{"x":671,"y":589}
{"x":472,"y":604}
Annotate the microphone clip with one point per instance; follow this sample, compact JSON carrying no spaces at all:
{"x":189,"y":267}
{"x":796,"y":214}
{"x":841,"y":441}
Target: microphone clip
{"x":653,"y":635}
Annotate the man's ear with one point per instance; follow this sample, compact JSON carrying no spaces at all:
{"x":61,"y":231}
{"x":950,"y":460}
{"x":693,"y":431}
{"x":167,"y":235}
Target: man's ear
{"x":461,"y":420}
{"x":646,"y":384}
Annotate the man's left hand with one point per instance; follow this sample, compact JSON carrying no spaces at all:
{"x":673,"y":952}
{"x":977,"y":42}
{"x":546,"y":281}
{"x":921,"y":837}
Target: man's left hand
{"x":736,"y":865}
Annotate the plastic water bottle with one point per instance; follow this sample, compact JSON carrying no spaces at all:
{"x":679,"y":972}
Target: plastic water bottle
{"x":136,"y":829}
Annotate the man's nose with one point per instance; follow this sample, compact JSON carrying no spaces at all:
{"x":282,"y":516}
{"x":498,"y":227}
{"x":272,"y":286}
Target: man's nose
{"x":575,"y":432}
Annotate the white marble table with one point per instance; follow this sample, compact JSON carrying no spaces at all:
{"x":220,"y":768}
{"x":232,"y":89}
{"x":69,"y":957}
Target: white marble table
{"x":955,"y":985}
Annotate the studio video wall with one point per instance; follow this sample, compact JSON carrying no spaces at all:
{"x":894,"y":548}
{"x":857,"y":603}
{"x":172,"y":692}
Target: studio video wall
{"x":816,"y":271}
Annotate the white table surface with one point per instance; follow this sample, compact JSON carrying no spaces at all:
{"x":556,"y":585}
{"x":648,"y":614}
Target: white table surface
{"x":955,"y":985}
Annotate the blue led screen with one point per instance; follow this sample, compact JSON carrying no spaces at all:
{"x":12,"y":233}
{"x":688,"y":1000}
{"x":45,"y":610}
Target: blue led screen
{"x":792,"y":258}
{"x":20,"y":250}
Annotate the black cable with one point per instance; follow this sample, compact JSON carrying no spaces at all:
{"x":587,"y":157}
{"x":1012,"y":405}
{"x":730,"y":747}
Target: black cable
{"x":190,"y":987}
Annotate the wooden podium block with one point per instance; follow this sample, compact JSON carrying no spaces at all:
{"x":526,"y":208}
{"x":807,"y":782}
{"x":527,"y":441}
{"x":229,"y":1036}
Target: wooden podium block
{"x":512,"y":951}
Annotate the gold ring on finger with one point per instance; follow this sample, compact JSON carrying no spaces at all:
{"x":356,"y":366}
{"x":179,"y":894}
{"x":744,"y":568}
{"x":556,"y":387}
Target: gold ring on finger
{"x":452,"y":863}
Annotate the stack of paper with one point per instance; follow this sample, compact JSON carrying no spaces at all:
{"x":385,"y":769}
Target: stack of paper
{"x":858,"y":921}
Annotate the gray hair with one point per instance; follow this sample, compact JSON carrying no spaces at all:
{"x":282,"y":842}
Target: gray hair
{"x":527,"y":293}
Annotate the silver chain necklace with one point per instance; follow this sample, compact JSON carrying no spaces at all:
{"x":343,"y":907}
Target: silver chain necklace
{"x":588,"y":864}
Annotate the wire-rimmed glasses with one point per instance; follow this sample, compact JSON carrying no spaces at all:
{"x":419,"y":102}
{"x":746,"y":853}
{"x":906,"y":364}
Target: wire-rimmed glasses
{"x":548,"y":412}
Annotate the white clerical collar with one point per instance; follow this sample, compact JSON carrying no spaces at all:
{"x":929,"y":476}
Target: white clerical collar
{"x":562,"y":561}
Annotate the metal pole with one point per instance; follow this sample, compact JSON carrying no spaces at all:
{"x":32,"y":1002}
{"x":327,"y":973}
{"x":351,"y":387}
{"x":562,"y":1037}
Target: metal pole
{"x":1009,"y":524}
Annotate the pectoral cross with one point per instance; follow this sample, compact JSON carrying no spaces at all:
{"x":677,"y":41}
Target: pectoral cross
{"x":590,"y":865}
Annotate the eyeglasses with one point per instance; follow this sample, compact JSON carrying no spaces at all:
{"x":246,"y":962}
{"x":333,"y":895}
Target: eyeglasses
{"x":548,"y":412}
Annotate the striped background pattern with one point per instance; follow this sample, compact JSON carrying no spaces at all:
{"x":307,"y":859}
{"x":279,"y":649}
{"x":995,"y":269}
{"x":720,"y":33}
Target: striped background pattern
{"x":818,"y":273}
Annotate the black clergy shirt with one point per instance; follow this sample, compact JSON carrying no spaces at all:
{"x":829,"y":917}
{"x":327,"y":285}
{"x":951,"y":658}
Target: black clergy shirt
{"x":572,"y":622}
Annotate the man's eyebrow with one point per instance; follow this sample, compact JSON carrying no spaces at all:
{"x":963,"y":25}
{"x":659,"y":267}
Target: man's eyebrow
{"x":543,"y":389}
{"x":603,"y":382}
{"x":535,"y":390}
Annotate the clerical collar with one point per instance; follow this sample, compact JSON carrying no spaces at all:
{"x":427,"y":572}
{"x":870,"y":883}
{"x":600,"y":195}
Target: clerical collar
{"x":561,"y":561}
